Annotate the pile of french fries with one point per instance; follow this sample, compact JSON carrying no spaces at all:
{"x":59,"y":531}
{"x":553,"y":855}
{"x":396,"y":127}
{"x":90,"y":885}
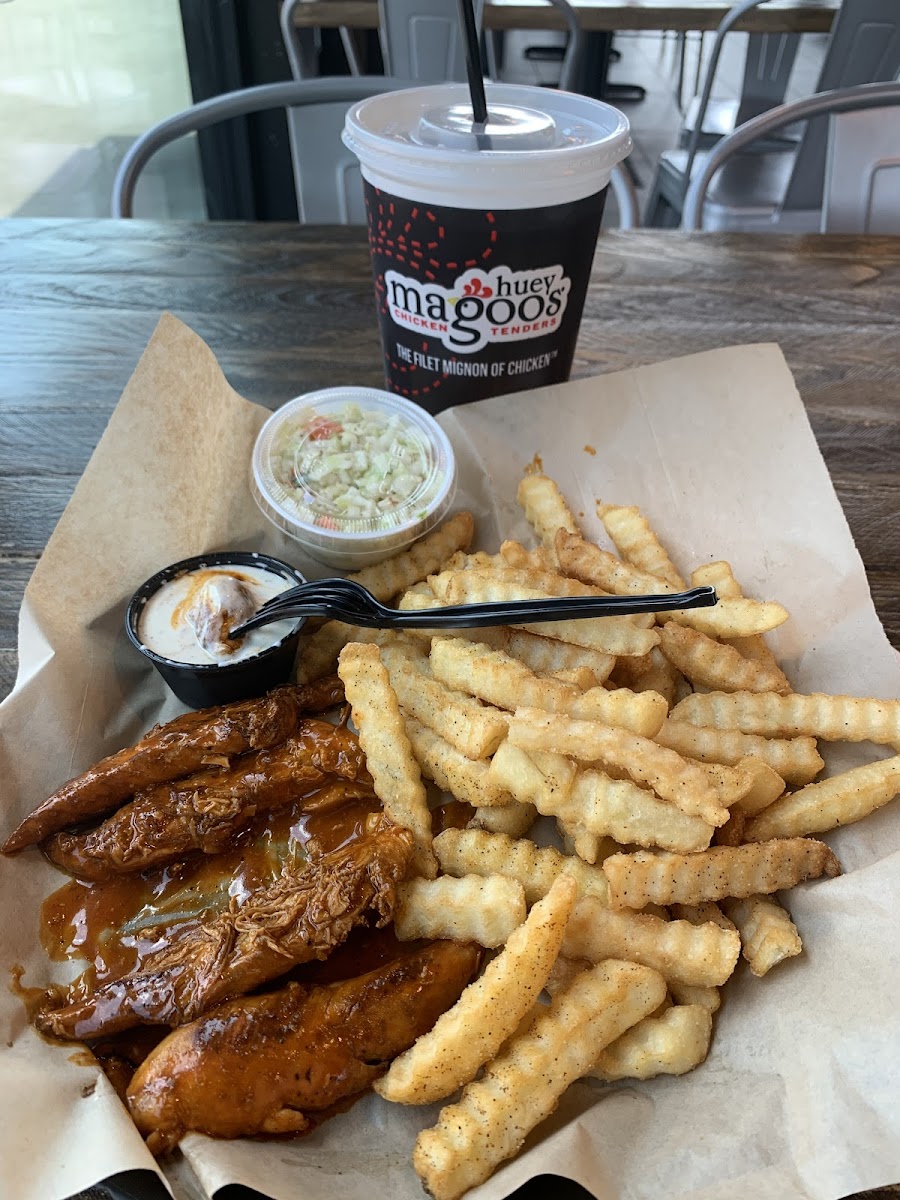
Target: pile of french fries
{"x":681,"y":813}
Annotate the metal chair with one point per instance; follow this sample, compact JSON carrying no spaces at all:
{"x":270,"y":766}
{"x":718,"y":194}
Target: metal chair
{"x":326,"y":174}
{"x":422,"y":40}
{"x":572,"y":57}
{"x":865,"y":201}
{"x":767,"y":72}
{"x":862,"y":173}
{"x":302,"y":45}
{"x":622,"y":184}
{"x":780,"y":188}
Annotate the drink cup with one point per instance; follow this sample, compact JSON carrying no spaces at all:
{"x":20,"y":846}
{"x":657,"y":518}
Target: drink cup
{"x":482,"y":237}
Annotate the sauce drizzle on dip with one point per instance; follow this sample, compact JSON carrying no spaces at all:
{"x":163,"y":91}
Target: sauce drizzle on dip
{"x":189,"y":618}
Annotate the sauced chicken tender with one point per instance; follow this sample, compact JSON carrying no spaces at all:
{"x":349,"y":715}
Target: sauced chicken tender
{"x":259,"y":1065}
{"x":205,"y":810}
{"x":308,"y":910}
{"x":173,"y":751}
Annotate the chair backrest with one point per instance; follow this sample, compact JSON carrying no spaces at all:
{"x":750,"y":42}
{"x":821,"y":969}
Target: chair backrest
{"x":326,"y":173}
{"x":857,"y":99}
{"x":422,"y":40}
{"x":862,"y":173}
{"x":767,"y":72}
{"x":771,"y":57}
{"x":302,"y":44}
{"x":864,"y":48}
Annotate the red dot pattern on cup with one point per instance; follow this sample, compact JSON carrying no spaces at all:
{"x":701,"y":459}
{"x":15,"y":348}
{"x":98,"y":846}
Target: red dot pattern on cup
{"x":413,"y":237}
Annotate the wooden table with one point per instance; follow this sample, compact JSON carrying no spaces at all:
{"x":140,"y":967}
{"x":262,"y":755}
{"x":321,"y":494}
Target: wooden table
{"x":288,"y":309}
{"x":599,"y":16}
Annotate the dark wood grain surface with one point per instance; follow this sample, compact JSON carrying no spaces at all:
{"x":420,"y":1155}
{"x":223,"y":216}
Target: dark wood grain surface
{"x":597,"y":16}
{"x":287,"y":309}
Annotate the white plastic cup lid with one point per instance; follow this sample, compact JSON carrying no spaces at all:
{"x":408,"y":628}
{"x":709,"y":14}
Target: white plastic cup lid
{"x":538,"y":148}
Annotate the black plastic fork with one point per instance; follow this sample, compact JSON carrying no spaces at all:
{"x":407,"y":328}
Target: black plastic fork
{"x":347,"y":601}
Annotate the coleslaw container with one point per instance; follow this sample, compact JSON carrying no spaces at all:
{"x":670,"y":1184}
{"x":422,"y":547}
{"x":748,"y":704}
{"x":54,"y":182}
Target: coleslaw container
{"x":353,"y":474}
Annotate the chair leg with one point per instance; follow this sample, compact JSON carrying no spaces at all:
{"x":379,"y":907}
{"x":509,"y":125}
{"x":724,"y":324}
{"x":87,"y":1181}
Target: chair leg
{"x":658,"y":212}
{"x":351,"y":49}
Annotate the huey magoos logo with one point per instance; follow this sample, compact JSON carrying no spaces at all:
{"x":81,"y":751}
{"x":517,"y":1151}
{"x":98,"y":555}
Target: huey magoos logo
{"x":482,"y":306}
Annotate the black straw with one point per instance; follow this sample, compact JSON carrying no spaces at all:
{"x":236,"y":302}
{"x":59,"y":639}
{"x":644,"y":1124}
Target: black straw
{"x":473,"y":62}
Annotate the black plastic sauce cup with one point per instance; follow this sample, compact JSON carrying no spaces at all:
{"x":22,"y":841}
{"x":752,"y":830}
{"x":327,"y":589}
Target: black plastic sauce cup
{"x":202,"y":685}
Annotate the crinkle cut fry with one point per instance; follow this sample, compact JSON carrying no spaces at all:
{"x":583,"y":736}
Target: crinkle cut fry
{"x":495,"y":676}
{"x":720,"y":576}
{"x":731,"y":618}
{"x":636,"y":880}
{"x":589,"y":847}
{"x":652,"y":673}
{"x":612,"y":635}
{"x":467,"y":779}
{"x":545,"y":509}
{"x":523,"y":1084}
{"x":837,"y":801}
{"x":670,"y":776}
{"x":671,"y":1044}
{"x":833,"y":718}
{"x":551,"y":582}
{"x":544,"y":655}
{"x":604,"y":806}
{"x":499,"y":678}
{"x":513,"y":820}
{"x":708,"y":663}
{"x":599,"y":568}
{"x":463,"y":851}
{"x":698,"y":955}
{"x":389,"y":756}
{"x":635,"y":540}
{"x":472,"y":908}
{"x":394,"y":575}
{"x":768,"y":935}
{"x":629,"y":813}
{"x":475,"y":729}
{"x":515,"y":555}
{"x":796,"y":760}
{"x":489,"y":1010}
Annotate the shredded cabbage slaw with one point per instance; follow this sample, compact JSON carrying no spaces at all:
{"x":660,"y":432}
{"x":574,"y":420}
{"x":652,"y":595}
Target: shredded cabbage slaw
{"x":359,"y":464}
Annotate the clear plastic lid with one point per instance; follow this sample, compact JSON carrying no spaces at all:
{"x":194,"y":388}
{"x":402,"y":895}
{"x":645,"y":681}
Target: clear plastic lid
{"x":352,"y":465}
{"x":537,"y":147}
